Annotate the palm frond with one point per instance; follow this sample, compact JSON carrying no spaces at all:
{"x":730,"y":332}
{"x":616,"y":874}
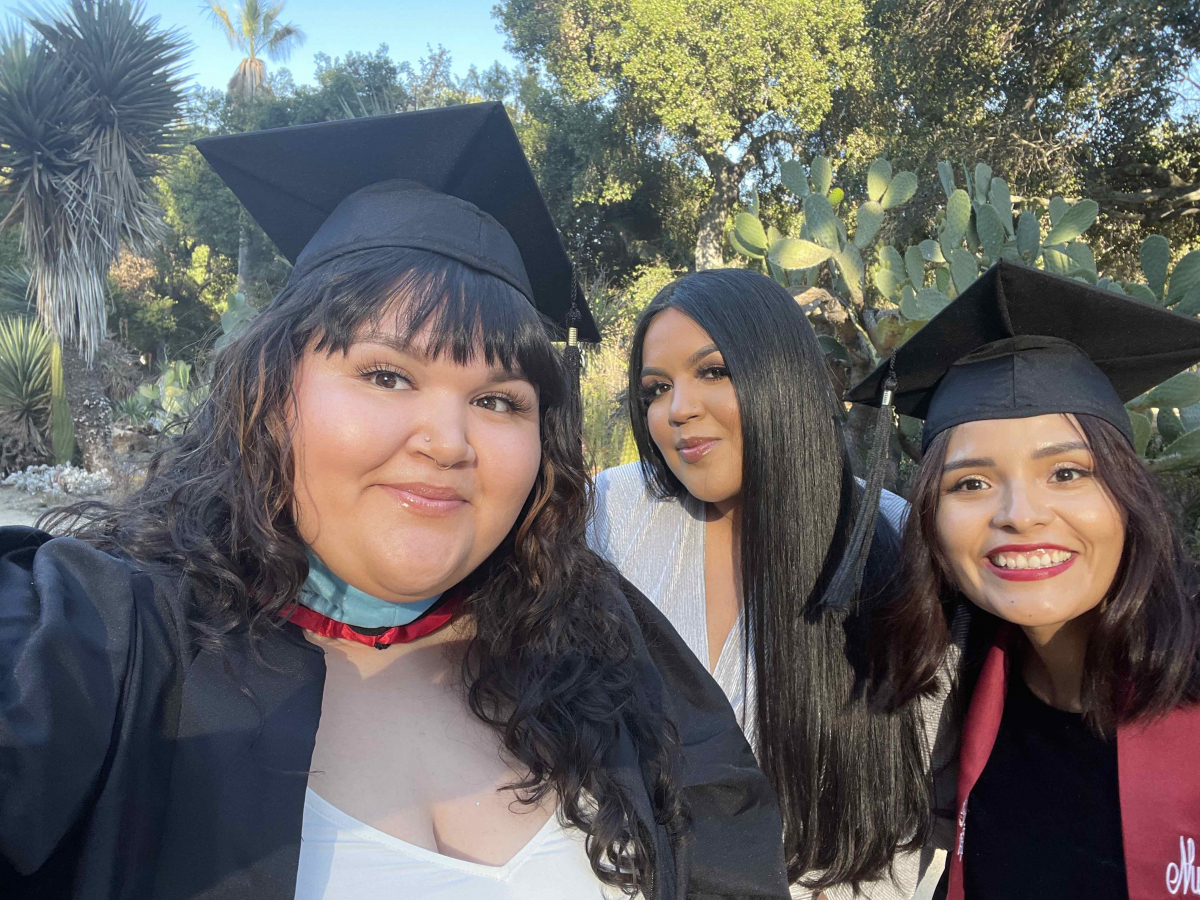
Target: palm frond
{"x":218,"y":14}
{"x":381,"y":103}
{"x":283,"y":40}
{"x":268,"y":14}
{"x":249,"y":24}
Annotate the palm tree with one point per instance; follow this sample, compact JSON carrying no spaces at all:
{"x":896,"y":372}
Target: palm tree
{"x":254,"y":28}
{"x":88,"y":104}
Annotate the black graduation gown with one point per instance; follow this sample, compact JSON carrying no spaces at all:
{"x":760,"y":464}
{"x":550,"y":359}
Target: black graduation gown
{"x":135,"y":765}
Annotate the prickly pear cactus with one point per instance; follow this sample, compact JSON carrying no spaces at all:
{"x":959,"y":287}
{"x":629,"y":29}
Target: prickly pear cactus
{"x":890,"y":291}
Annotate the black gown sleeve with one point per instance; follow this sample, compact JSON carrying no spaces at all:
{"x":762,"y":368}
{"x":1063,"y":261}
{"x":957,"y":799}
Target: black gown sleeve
{"x":66,"y":620}
{"x":735,"y":845}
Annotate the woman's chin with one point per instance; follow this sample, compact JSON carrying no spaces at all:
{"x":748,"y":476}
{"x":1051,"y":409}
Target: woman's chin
{"x":707,"y":490}
{"x":422,"y":569}
{"x":1031,"y":611}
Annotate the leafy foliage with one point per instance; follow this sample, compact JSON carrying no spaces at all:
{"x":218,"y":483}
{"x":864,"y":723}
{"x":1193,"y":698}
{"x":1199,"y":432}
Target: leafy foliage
{"x":174,"y":396}
{"x":238,"y":314}
{"x":87,"y":106}
{"x":705,"y":77}
{"x":1059,"y":92}
{"x":136,"y":410}
{"x":976,"y":227}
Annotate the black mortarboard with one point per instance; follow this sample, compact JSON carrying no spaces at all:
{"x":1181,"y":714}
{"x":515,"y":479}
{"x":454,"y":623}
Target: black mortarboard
{"x":452,"y":180}
{"x":1020,"y":342}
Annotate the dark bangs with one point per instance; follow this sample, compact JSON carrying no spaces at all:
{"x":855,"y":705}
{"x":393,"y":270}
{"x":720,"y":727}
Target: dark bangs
{"x":462,"y":311}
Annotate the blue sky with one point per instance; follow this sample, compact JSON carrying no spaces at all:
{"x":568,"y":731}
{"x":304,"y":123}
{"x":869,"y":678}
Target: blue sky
{"x":465,"y":27}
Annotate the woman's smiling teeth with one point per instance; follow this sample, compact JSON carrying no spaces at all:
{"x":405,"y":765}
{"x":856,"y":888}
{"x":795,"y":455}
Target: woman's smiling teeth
{"x":1037,"y":559}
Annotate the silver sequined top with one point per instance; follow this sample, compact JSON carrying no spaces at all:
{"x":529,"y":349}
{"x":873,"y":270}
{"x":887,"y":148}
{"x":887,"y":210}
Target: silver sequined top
{"x":659,"y":546}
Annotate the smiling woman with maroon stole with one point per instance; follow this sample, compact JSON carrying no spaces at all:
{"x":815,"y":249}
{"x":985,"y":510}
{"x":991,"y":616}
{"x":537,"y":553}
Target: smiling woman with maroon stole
{"x":1033,"y":516}
{"x":348,"y":642}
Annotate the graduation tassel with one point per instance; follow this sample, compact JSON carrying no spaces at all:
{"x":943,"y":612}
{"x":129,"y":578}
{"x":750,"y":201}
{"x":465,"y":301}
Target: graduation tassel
{"x":843,"y":587}
{"x":572,"y":354}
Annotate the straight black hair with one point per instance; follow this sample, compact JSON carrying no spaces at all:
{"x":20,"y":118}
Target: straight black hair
{"x":852,"y":783}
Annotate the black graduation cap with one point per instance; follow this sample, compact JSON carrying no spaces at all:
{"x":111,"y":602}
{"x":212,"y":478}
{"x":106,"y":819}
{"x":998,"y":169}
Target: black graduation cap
{"x":1020,"y":342}
{"x":452,"y":180}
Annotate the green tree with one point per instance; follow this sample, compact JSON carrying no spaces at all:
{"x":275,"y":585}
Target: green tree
{"x":88,"y":104}
{"x":720,"y":81}
{"x":1066,"y":96}
{"x":254,"y":28}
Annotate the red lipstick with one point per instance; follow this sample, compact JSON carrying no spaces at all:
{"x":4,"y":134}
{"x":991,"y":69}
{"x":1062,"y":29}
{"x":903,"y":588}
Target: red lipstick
{"x":1039,"y":574}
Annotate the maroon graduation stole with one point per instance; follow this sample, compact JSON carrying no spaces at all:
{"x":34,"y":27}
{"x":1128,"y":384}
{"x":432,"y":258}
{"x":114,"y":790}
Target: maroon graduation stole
{"x":380,"y":638}
{"x":1158,"y":769}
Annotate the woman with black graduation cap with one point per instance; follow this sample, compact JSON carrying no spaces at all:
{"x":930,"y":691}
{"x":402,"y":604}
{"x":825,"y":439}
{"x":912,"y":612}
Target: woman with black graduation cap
{"x":1033,"y":518}
{"x":348,"y":640}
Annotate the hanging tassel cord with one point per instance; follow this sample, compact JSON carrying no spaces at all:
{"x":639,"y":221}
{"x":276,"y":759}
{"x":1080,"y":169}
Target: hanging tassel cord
{"x":844,"y":586}
{"x":572,"y":354}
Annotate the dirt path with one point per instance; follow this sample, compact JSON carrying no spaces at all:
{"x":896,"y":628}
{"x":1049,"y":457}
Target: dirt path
{"x":18,"y":507}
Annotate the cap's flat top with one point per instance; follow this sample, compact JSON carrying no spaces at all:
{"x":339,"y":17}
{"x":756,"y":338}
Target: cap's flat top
{"x":1133,"y":344}
{"x":291,"y":179}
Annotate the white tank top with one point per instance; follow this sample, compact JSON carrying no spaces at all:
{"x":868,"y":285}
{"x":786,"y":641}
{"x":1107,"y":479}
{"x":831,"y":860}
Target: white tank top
{"x":343,"y":859}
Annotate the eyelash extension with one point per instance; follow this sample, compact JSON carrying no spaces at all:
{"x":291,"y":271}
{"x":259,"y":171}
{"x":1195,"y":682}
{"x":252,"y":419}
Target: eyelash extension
{"x":715,"y":370}
{"x":1083,"y":471}
{"x":517,"y":405}
{"x":647,"y":391}
{"x":959,"y":484}
{"x":378,"y":367}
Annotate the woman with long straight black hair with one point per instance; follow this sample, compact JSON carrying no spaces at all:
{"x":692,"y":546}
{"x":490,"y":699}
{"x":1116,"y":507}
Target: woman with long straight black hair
{"x":734,"y":523}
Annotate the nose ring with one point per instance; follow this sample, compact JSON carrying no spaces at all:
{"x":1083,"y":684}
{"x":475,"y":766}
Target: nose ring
{"x":440,"y":466}
{"x":428,"y":439}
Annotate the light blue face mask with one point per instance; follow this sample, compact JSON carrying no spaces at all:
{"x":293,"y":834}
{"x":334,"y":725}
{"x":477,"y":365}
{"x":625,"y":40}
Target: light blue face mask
{"x":327,"y":594}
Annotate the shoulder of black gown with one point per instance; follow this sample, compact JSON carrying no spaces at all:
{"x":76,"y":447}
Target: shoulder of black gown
{"x":75,"y":625}
{"x":735,"y":843}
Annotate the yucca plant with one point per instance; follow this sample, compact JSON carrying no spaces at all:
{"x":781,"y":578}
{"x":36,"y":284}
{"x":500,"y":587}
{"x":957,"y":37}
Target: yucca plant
{"x":15,"y":297}
{"x":90,"y":95}
{"x":25,"y":381}
{"x":135,"y":410}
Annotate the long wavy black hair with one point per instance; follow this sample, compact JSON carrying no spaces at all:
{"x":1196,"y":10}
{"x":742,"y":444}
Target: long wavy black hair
{"x":548,"y":665}
{"x":1143,"y":655}
{"x":852,"y":784}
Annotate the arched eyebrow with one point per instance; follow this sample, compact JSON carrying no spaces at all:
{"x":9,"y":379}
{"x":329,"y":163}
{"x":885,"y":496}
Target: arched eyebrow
{"x":392,"y":341}
{"x":975,"y":462}
{"x":1057,"y":449}
{"x":704,"y":351}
